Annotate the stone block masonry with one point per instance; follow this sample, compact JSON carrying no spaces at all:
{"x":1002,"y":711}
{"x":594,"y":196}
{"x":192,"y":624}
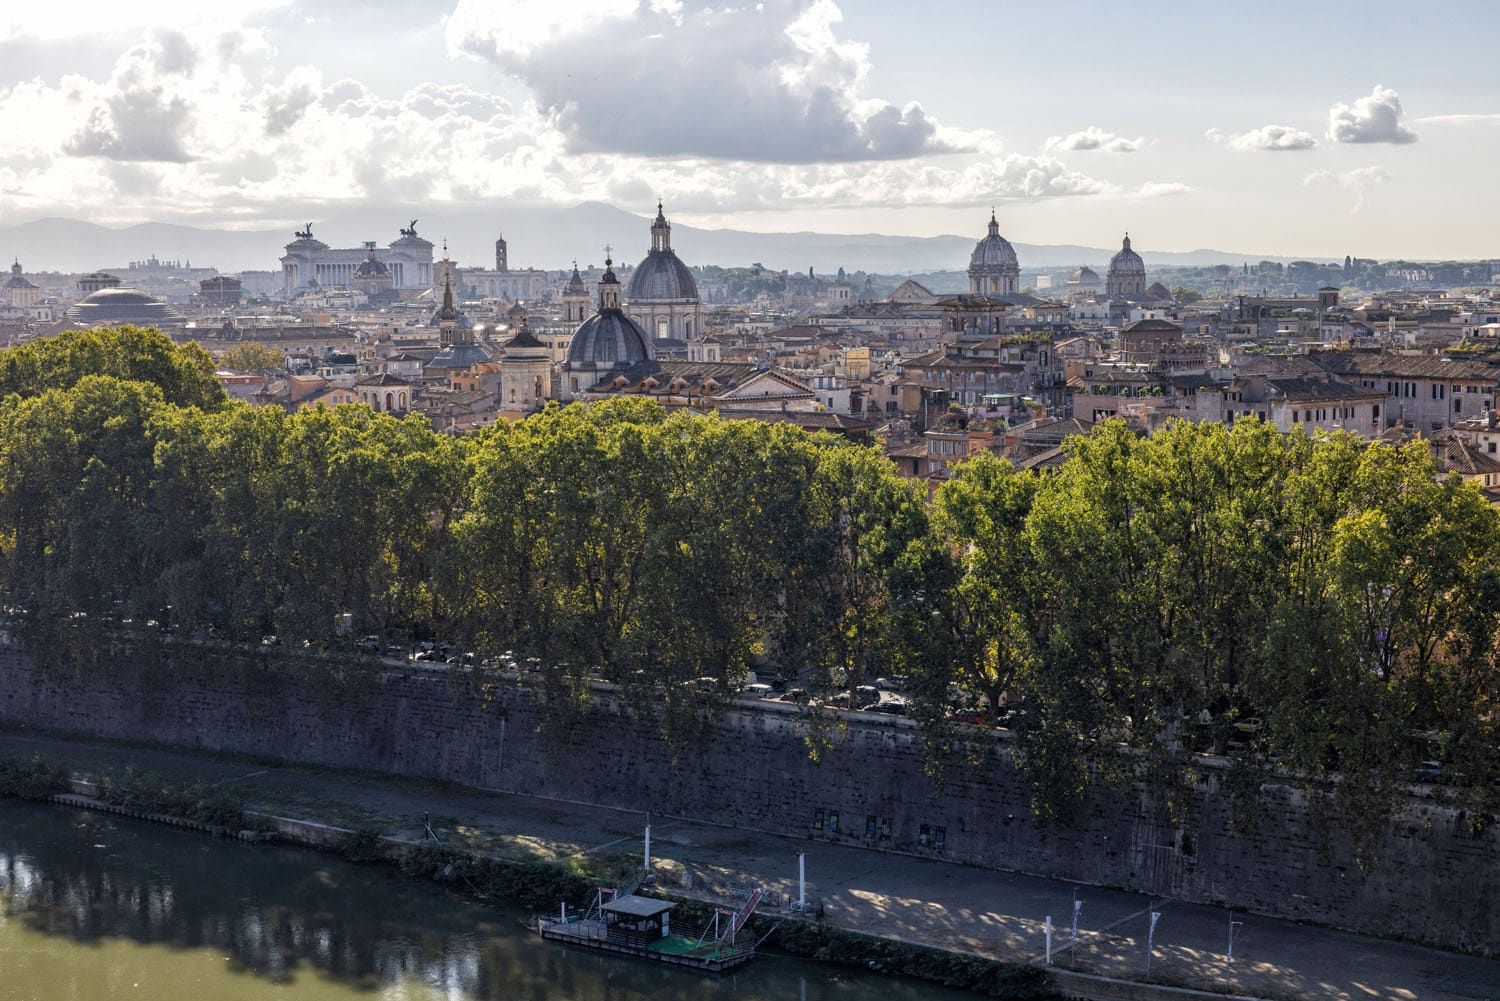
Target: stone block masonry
{"x":1434,"y":882}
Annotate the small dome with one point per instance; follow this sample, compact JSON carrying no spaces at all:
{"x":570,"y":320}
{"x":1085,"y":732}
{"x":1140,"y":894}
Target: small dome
{"x":465,"y":354}
{"x":1127,"y":261}
{"x":371,"y":268}
{"x":608,"y":340}
{"x":524,"y":338}
{"x":994,"y":251}
{"x":1085,"y":276}
{"x":18,"y":280}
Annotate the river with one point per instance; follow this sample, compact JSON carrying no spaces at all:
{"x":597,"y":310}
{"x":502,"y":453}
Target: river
{"x":94,"y":908}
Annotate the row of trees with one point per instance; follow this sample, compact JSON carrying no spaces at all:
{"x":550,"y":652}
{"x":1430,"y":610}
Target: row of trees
{"x":1324,"y":604}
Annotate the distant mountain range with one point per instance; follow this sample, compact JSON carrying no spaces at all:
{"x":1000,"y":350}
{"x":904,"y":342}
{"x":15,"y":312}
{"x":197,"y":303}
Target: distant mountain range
{"x":545,"y":237}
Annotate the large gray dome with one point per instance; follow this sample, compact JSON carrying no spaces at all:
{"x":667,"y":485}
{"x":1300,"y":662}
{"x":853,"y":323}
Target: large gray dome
{"x":1127,"y":261}
{"x":662,"y":275}
{"x":608,"y":340}
{"x":121,"y":305}
{"x":994,"y":251}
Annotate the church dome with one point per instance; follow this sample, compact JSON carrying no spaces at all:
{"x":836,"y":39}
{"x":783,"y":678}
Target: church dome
{"x":662,"y":275}
{"x":994,"y":251}
{"x":460,"y":355}
{"x":608,"y":340}
{"x":1085,"y":276}
{"x":1127,"y":261}
{"x":371,"y":268}
{"x":18,"y":280}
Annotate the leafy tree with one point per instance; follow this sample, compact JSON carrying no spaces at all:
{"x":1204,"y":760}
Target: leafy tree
{"x":993,"y":610}
{"x":75,"y":472}
{"x":863,"y":520}
{"x":183,"y":373}
{"x":252,"y":356}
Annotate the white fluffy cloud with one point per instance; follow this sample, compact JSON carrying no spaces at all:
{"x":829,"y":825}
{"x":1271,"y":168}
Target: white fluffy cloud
{"x":202,"y":125}
{"x":1357,"y":182}
{"x":1375,"y":118}
{"x":770,"y":82}
{"x":1267,"y":138}
{"x":145,"y":110}
{"x":1093,"y":138}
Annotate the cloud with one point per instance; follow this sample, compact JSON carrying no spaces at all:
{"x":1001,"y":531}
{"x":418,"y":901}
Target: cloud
{"x":1480,"y":119}
{"x":1359,"y":181}
{"x":62,"y":19}
{"x":770,"y":82}
{"x":286,"y":104}
{"x":144,"y":112}
{"x":1162,"y":189}
{"x":1093,"y":138}
{"x":136,"y":124}
{"x":1267,"y":138}
{"x":1377,"y":118}
{"x":200,"y":126}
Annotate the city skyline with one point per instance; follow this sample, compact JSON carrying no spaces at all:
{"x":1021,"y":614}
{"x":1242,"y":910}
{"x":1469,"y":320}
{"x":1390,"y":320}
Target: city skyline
{"x":783,"y":117}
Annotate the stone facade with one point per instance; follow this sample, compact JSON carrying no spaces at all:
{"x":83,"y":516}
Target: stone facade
{"x":1434,"y":883}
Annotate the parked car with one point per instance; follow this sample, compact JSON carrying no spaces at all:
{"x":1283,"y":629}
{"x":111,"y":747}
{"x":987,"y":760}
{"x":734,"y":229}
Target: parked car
{"x":759,"y":691}
{"x":794,"y":695}
{"x":893,"y":707}
{"x":865,"y":696}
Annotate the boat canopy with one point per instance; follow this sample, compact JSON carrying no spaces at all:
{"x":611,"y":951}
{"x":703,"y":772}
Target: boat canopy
{"x":633,"y":906}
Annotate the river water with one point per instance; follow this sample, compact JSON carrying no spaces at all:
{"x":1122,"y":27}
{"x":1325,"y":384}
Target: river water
{"x":94,"y":908}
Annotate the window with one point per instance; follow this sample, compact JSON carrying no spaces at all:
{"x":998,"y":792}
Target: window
{"x":1375,"y":412}
{"x":1458,"y":405}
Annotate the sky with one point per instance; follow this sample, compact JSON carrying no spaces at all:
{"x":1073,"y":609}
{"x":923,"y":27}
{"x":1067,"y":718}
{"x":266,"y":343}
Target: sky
{"x":1285,"y":128}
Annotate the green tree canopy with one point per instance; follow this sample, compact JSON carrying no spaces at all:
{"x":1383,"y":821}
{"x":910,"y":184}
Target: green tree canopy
{"x":183,"y":373}
{"x":252,"y":356}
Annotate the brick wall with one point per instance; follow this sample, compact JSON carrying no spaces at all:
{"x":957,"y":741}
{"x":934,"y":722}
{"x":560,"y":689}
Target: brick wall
{"x":1434,"y":882}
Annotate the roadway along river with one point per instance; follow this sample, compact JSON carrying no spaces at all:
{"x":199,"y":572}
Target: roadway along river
{"x":94,"y":908}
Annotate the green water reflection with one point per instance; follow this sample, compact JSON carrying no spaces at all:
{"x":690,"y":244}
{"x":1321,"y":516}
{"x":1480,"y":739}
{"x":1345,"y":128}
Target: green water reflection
{"x":97,"y":908}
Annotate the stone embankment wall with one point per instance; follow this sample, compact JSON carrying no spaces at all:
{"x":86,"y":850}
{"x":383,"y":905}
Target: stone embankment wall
{"x":1434,"y":882}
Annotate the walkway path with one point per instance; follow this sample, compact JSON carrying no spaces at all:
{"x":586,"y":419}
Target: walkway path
{"x":918,"y":900}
